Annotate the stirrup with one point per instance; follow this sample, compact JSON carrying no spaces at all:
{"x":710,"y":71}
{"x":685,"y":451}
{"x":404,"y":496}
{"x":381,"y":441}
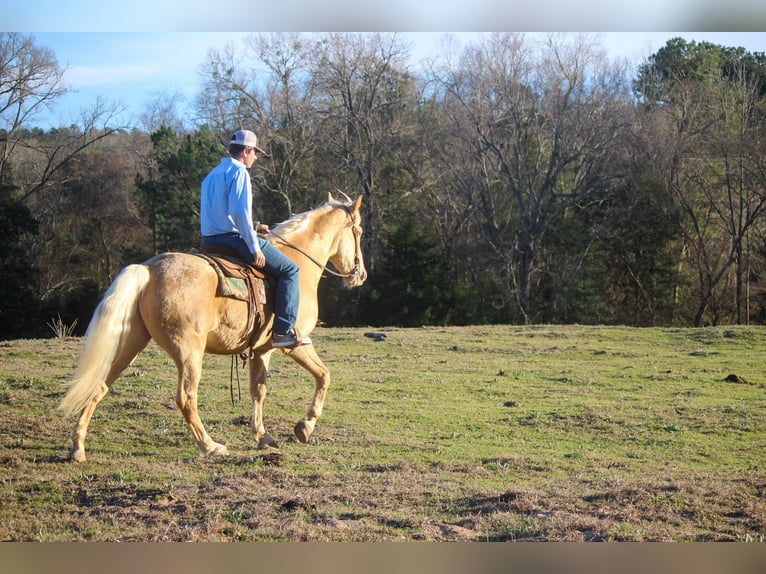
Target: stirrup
{"x":288,"y":340}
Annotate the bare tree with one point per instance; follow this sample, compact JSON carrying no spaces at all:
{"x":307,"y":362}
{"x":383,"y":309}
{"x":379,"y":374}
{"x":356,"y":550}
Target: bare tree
{"x":30,"y":80}
{"x":316,"y":101}
{"x":262,"y":87}
{"x":37,"y":161}
{"x":162,"y":109}
{"x":91,"y":220}
{"x":289,"y":128}
{"x":365,"y":86}
{"x":730,"y":176}
{"x":533,"y":124}
{"x":708,"y":149}
{"x":228,"y":98}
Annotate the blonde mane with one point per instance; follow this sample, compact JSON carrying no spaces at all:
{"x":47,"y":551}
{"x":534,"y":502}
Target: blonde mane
{"x":300,"y":222}
{"x":296,"y":224}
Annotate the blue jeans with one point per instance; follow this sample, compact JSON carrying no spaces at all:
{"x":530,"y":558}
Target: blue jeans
{"x":278,"y":265}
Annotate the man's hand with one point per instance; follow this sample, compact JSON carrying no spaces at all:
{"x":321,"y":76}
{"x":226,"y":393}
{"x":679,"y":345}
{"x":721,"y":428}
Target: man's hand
{"x":260,"y":259}
{"x":262,"y":228}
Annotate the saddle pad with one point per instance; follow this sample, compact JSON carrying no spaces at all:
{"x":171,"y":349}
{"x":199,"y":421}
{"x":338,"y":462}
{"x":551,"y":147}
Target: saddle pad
{"x":231,"y":278}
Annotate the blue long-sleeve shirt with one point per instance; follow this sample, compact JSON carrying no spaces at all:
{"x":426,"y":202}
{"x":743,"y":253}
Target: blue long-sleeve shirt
{"x":226,"y":202}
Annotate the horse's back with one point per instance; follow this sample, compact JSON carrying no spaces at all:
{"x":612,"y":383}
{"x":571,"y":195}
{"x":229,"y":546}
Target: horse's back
{"x":176,"y":265}
{"x":181,"y":277}
{"x":181,"y":307}
{"x":180,"y":297}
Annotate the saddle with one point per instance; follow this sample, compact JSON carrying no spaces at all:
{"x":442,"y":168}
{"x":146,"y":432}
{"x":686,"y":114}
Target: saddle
{"x":240,"y":281}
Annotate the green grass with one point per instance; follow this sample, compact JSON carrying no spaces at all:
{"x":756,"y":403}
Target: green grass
{"x":476,"y":433}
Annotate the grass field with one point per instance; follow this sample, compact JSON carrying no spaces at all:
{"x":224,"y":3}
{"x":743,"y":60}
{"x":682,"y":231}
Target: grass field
{"x":501,"y":433}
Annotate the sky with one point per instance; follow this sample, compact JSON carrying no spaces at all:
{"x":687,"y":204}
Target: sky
{"x":130,"y":52}
{"x":134,"y":68}
{"x":388,"y":15}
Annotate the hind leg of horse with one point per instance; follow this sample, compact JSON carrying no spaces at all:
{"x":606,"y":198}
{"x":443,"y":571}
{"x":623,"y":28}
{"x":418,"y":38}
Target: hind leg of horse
{"x":135,"y":343}
{"x":259,"y":368}
{"x":80,"y":431}
{"x":306,"y":357}
{"x":189,"y":374}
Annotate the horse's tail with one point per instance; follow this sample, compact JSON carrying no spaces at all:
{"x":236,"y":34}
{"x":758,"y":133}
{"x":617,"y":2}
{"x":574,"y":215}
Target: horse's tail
{"x":105,"y":337}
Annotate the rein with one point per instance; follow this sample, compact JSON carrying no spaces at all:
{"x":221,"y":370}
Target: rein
{"x":235,"y":368}
{"x":353,"y":273}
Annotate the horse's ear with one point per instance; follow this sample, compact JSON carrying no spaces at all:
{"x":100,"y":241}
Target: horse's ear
{"x":330,"y":198}
{"x":358,"y":203}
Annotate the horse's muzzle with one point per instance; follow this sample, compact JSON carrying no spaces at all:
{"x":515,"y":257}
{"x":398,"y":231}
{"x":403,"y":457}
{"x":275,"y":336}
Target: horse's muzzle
{"x":356,"y":278}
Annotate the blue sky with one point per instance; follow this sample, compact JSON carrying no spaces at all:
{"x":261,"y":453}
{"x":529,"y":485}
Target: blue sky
{"x":368,"y":15}
{"x":133,"y":67}
{"x":128,"y":68}
{"x":131,"y":51}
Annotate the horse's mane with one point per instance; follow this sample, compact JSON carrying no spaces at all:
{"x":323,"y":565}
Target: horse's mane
{"x":300,"y":221}
{"x":296,"y":223}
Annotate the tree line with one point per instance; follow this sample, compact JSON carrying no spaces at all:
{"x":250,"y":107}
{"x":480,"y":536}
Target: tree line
{"x":514,"y":179}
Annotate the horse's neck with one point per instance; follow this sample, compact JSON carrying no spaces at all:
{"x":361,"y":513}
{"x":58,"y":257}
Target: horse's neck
{"x":313,"y":234}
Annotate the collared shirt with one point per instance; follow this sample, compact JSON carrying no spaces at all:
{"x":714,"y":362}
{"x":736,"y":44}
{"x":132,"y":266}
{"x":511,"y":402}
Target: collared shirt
{"x":226,"y":202}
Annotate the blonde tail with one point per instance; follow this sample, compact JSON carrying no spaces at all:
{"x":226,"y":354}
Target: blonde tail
{"x":105,"y":337}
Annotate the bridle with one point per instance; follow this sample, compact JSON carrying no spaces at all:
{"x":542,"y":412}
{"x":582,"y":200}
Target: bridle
{"x":356,"y":230}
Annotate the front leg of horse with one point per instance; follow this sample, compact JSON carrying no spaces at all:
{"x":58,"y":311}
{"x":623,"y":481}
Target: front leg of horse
{"x":264,"y":439}
{"x":308,"y":359}
{"x":259,"y":367}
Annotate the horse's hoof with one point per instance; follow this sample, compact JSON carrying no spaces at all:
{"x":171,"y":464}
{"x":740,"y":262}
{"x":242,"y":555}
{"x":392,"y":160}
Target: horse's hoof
{"x":303,"y":431}
{"x":76,"y":455}
{"x":267,"y":441}
{"x":217,"y":450}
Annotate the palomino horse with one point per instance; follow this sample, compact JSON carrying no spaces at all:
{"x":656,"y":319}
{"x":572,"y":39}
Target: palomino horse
{"x":172,"y":298}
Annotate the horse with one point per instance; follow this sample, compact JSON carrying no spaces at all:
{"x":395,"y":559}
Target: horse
{"x":172,"y":298}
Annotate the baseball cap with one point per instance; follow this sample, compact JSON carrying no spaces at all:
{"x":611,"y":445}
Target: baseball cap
{"x":246,"y":138}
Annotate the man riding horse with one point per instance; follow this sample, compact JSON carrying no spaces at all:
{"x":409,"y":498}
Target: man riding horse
{"x":226,"y":218}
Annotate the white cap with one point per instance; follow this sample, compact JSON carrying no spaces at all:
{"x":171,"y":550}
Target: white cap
{"x":246,"y":138}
